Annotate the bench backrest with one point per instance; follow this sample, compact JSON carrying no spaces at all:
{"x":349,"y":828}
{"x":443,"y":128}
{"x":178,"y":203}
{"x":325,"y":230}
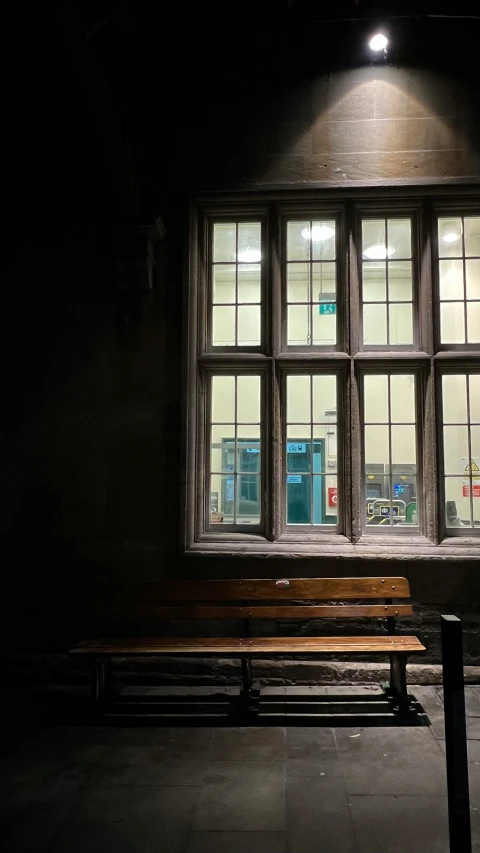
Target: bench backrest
{"x":274,"y":599}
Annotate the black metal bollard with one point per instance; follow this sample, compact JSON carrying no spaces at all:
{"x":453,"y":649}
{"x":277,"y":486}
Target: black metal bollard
{"x":455,"y":736}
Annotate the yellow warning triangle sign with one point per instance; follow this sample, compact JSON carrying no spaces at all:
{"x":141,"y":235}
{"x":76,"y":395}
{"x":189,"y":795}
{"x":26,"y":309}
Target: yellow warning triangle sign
{"x":472,"y":468}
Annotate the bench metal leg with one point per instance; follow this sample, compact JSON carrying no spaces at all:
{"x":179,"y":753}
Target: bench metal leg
{"x":250,"y":692}
{"x":398,"y":680}
{"x":98,"y":682}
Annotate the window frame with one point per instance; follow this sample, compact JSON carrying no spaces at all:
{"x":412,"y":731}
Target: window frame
{"x":428,"y":361}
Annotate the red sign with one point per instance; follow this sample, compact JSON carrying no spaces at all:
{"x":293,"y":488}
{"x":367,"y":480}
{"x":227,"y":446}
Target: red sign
{"x":476,"y":491}
{"x":332,"y":496}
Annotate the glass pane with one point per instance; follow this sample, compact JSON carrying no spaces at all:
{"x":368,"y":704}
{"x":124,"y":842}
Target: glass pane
{"x":324,"y":398}
{"x":457,"y":503}
{"x":222,"y":495}
{"x":323,"y":240}
{"x":472,"y":269}
{"x":405,"y":497}
{"x":249,"y":282}
{"x":249,"y":431}
{"x":223,"y":399}
{"x":475,"y":449}
{"x":249,"y":242}
{"x":329,"y":488}
{"x":452,"y":323}
{"x":249,"y":325}
{"x":376,"y":445}
{"x":222,"y":450}
{"x":373,"y":239}
{"x":298,"y":499}
{"x":450,"y":237}
{"x":248,"y":399}
{"x":224,"y":283}
{"x":377,"y":488}
{"x":223,"y":326}
{"x":298,"y":241}
{"x":298,"y":399}
{"x":374,"y":324}
{"x":402,"y":398}
{"x":400,"y":281}
{"x":324,"y":324}
{"x":298,"y":455}
{"x":298,"y":325}
{"x":474,"y":381}
{"x":248,"y":499}
{"x":374,"y":281}
{"x":327,"y":433}
{"x":473,"y":322}
{"x":375,"y":399}
{"x":472,"y":236}
{"x":404,"y":451}
{"x":401,"y":323}
{"x":454,"y":394}
{"x":323,"y":282}
{"x":224,"y":238}
{"x":298,"y":282}
{"x":455,"y":441}
{"x":399,"y":232}
{"x":451,"y":280}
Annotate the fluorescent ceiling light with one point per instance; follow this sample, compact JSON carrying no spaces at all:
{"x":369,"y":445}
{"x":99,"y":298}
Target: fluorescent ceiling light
{"x":318,"y":232}
{"x":378,"y":252}
{"x":378,"y":42}
{"x":450,"y":237}
{"x":250,"y":256}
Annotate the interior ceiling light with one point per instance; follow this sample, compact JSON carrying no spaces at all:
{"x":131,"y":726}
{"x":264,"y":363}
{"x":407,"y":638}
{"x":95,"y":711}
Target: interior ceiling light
{"x":249,"y":255}
{"x":318,"y":232}
{"x":378,"y":42}
{"x":378,"y":252}
{"x":450,"y":237}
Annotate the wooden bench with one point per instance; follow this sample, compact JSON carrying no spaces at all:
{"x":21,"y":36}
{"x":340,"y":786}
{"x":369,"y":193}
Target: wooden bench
{"x":382,"y":599}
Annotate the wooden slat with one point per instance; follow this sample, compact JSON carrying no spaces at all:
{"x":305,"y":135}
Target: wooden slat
{"x":347,"y":611}
{"x":254,"y":645}
{"x":160,"y":592}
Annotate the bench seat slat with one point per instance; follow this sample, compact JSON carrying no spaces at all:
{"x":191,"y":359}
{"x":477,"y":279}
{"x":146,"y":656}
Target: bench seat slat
{"x":160,"y":592}
{"x":321,"y":611}
{"x":385,"y":644}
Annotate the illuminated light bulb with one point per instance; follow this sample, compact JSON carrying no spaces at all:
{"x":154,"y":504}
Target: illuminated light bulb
{"x":378,"y":42}
{"x":318,"y":232}
{"x":450,"y":237}
{"x":378,"y":252}
{"x":250,"y":256}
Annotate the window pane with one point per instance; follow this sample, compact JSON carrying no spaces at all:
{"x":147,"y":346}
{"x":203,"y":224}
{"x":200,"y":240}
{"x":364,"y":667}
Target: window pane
{"x":248,"y":325}
{"x":452,"y":323}
{"x":298,"y":282}
{"x":223,"y":399}
{"x":376,"y":398}
{"x":451,"y":280}
{"x":475,"y":447}
{"x":222,"y":498}
{"x":474,"y":382}
{"x":298,"y":241}
{"x":399,"y":233}
{"x":401,"y":323}
{"x":324,"y":398}
{"x":473,"y":322}
{"x":454,"y":395}
{"x":249,"y":242}
{"x":450,"y":237}
{"x":248,"y":399}
{"x":472,"y":236}
{"x":222,"y":448}
{"x":324,"y":325}
{"x":402,"y":399}
{"x":376,"y":445}
{"x":298,"y":325}
{"x":375,"y":281}
{"x":223,"y":326}
{"x":249,"y":282}
{"x":457,"y":503}
{"x":298,"y":399}
{"x":373,"y":239}
{"x":400,"y":281}
{"x":374,"y":324}
{"x":223,"y":283}
{"x":472,"y":269}
{"x":248,"y":499}
{"x":455,"y":444}
{"x":404,"y":451}
{"x":328,"y":434}
{"x":323,"y":240}
{"x":323,"y":282}
{"x":224,"y":239}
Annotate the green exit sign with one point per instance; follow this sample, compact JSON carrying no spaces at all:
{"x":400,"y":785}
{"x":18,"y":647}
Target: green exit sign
{"x":327,"y":308}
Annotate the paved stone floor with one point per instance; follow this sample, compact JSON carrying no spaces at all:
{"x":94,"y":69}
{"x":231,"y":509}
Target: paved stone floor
{"x":89,"y":789}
